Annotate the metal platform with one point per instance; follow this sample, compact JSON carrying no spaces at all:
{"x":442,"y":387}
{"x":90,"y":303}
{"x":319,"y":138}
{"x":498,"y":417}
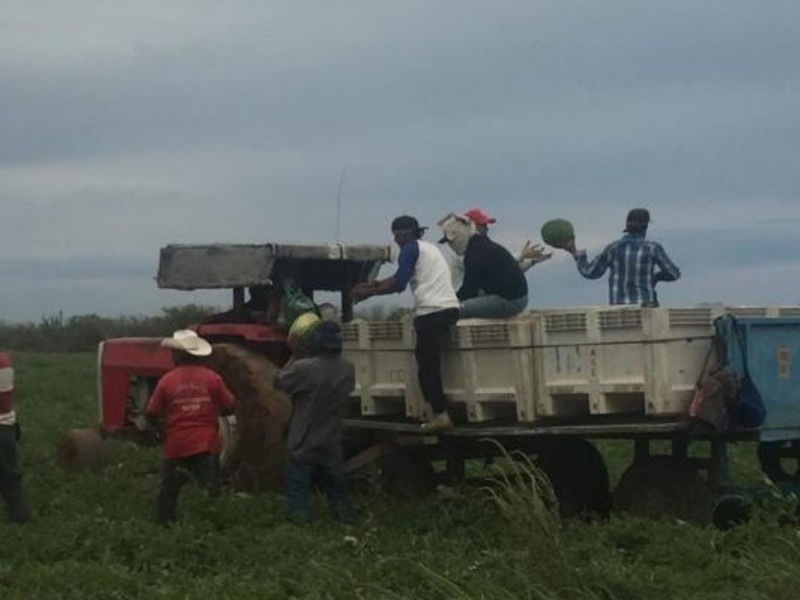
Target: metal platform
{"x":598,"y":428}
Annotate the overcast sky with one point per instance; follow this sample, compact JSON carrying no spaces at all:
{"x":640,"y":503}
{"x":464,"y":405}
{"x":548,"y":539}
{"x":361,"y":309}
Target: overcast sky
{"x":125,"y":126}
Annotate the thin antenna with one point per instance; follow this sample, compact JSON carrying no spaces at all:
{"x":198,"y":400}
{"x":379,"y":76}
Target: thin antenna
{"x":339,"y":205}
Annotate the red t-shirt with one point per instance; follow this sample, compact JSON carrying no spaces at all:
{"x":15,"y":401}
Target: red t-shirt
{"x":189,"y":398}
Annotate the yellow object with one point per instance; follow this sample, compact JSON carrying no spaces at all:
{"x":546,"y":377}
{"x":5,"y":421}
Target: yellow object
{"x":303,"y":326}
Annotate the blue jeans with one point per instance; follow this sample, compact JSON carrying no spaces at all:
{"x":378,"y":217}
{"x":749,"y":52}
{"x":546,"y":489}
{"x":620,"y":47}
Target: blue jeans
{"x":327,"y":475}
{"x":492,"y":307}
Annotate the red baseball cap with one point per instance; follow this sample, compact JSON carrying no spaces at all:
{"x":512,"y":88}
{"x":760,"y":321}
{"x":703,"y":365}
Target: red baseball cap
{"x":477,"y":216}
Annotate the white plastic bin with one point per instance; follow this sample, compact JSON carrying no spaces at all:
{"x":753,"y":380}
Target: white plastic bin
{"x":382,"y":352}
{"x":619,"y":360}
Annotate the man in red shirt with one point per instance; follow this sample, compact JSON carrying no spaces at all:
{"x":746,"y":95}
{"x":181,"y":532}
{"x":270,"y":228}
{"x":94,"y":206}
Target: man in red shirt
{"x":189,"y":399}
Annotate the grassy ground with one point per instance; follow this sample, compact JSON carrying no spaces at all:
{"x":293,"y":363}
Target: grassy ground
{"x":93,"y":537}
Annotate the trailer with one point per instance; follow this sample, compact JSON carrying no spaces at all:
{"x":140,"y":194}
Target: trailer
{"x":545,"y":384}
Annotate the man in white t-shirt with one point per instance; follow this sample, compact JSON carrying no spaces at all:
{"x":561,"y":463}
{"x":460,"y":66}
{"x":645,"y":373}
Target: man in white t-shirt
{"x":422,"y":266}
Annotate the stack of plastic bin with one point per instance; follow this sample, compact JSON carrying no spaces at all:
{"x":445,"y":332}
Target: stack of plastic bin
{"x":383,"y":355}
{"x":619,"y":360}
{"x":488,"y":370}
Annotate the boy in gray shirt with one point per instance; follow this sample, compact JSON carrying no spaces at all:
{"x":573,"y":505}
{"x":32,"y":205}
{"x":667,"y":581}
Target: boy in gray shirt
{"x":319,"y":386}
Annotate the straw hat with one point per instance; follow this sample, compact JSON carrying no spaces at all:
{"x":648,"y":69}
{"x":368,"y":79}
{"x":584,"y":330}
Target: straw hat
{"x":187,"y":341}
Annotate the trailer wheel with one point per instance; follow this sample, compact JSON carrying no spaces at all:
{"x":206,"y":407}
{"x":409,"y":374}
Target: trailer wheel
{"x":82,"y":449}
{"x":407,"y":474}
{"x":770,"y":456}
{"x":664,"y":486}
{"x":255,"y":457}
{"x":578,"y":474}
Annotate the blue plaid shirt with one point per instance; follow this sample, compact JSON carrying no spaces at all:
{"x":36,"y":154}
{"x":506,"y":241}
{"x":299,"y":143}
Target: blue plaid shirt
{"x":633,"y":261}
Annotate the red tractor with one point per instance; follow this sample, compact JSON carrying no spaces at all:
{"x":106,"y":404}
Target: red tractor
{"x":249,"y":342}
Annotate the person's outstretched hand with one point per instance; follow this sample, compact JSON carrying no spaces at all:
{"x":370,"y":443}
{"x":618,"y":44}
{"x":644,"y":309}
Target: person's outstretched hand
{"x":534,"y":253}
{"x":362,"y":291}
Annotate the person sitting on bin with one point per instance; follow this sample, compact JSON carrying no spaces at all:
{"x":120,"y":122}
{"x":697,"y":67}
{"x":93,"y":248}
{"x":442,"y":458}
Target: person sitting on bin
{"x":530,"y":255}
{"x":189,"y":399}
{"x":319,"y":382}
{"x":494,"y":285}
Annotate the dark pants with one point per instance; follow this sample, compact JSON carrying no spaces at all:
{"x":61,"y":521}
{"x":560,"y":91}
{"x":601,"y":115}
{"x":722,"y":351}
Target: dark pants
{"x":326,"y":474}
{"x":10,"y":477}
{"x":430,"y":330}
{"x":176,"y":472}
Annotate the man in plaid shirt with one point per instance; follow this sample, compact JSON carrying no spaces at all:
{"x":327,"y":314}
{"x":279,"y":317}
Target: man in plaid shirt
{"x":636,"y":264}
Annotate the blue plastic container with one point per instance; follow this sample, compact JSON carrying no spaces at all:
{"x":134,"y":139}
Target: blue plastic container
{"x":773,"y":358}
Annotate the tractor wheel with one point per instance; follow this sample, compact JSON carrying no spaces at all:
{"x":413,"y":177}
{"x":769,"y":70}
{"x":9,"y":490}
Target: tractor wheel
{"x":255,"y":459}
{"x":578,"y":474}
{"x":664,"y":486}
{"x":82,"y":449}
{"x":407,"y":474}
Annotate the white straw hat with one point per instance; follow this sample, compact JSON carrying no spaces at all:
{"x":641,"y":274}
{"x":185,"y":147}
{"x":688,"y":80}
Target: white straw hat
{"x":187,"y":341}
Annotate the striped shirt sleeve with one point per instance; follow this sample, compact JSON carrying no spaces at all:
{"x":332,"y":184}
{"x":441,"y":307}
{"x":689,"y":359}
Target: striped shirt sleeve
{"x":594,"y":269}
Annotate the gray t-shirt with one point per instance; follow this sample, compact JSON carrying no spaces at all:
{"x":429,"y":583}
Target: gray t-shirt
{"x":319,"y":387}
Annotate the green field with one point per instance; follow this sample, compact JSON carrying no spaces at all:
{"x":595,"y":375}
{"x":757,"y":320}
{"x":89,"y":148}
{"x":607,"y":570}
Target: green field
{"x":93,"y":537}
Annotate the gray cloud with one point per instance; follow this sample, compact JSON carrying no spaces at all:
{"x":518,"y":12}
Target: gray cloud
{"x":126,"y":127}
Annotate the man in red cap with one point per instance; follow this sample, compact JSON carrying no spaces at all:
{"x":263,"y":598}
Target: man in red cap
{"x":494,"y":286}
{"x":530,"y":254}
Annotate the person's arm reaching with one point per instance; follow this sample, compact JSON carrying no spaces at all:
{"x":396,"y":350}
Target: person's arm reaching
{"x":287,"y":378}
{"x":396,"y":283}
{"x":593,"y":269}
{"x":532,"y":254}
{"x":156,"y":405}
{"x":225,"y":399}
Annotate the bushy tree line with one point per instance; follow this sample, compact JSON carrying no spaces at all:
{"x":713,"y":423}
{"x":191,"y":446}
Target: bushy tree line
{"x":57,"y":333}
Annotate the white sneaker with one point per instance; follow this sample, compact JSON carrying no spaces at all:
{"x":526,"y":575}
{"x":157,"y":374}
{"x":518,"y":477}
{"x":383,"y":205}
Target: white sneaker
{"x":439,"y":422}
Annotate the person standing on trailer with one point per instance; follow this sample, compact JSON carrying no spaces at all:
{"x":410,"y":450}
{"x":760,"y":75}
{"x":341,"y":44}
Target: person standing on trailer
{"x":10,"y":476}
{"x":319,"y":385}
{"x":189,"y":399}
{"x":423,"y":267}
{"x":636,"y":264}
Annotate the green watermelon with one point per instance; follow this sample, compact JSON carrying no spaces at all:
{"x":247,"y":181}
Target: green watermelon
{"x":557,"y":232}
{"x":302,"y":330}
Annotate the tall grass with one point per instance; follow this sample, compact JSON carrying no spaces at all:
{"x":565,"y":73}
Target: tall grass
{"x":524,"y":497}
